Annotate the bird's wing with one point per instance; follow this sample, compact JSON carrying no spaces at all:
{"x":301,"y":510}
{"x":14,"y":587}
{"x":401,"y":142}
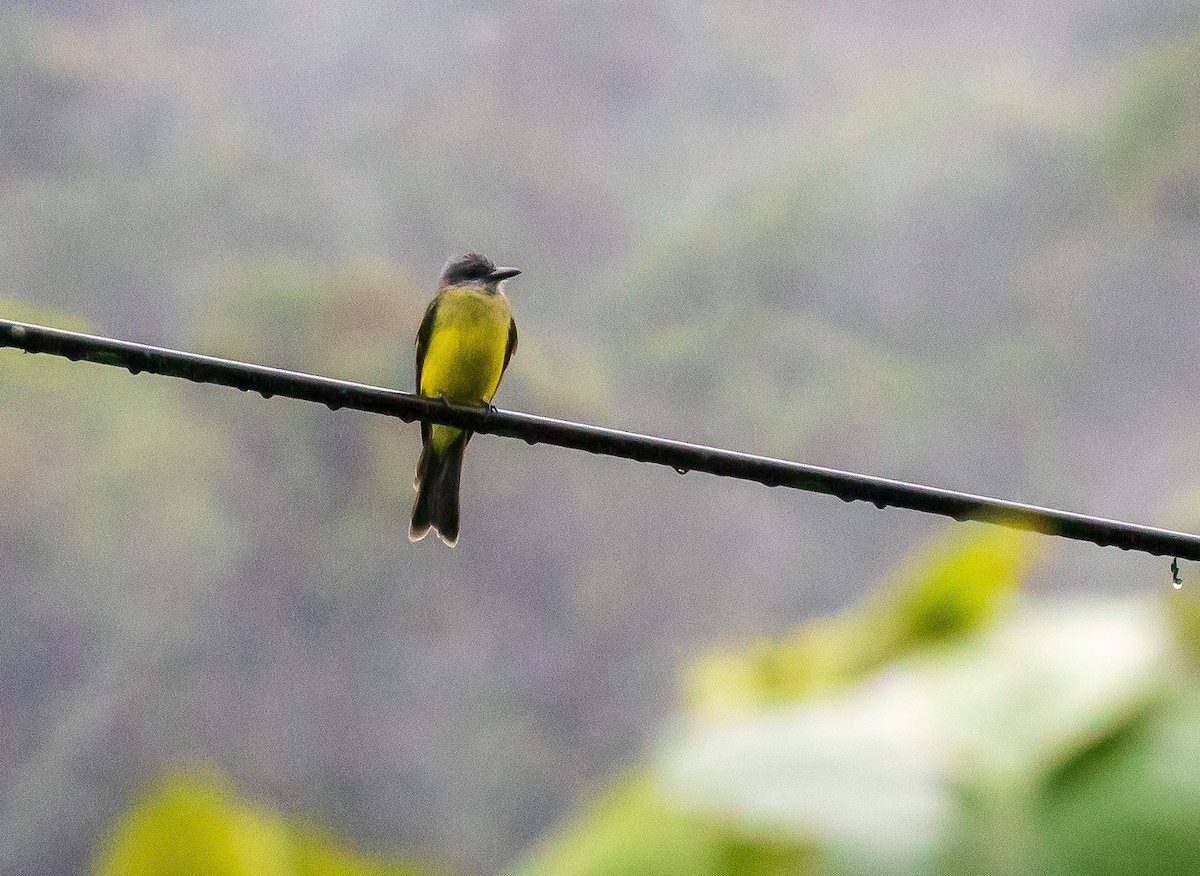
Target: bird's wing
{"x":423,"y":334}
{"x":512,"y":344}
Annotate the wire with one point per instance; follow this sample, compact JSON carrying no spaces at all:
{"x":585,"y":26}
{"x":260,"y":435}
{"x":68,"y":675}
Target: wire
{"x":682,"y":457}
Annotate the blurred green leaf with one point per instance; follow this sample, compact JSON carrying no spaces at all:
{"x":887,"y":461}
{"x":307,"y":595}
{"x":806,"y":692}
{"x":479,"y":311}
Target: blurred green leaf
{"x":637,"y":829}
{"x":192,"y":824}
{"x":932,"y":729}
{"x":960,"y":581}
{"x":1127,"y":805}
{"x":1149,"y":152}
{"x":936,"y":759}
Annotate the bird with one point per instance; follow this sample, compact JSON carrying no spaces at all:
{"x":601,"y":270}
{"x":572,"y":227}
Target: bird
{"x":464,"y":345}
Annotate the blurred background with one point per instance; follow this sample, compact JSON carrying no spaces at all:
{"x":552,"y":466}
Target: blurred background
{"x":949,"y":243}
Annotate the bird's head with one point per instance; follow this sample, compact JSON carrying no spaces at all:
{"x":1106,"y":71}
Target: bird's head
{"x":473,"y":268}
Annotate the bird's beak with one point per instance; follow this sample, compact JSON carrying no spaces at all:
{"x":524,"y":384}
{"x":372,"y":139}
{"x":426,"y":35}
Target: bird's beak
{"x":502,"y":274}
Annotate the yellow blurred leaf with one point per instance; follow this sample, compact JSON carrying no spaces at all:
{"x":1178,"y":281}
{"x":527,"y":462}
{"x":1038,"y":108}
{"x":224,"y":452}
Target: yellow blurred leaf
{"x":191,"y":823}
{"x":959,"y":581}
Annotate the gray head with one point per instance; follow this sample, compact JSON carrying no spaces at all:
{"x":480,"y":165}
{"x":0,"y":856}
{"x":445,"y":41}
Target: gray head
{"x":473,"y":268}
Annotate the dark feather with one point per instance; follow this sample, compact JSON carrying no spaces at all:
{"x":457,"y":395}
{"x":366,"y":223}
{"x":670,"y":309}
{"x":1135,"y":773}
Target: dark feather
{"x":438,"y":478}
{"x":423,"y":335}
{"x":512,"y":344}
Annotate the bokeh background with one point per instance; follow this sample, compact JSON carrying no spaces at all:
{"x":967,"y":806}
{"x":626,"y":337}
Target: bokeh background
{"x":950,"y":243}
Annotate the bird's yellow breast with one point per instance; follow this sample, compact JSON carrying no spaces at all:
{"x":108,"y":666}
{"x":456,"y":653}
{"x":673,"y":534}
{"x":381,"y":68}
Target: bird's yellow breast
{"x":465,"y":354}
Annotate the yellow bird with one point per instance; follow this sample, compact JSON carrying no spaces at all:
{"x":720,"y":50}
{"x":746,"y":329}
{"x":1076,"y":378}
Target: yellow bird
{"x":463,"y":346}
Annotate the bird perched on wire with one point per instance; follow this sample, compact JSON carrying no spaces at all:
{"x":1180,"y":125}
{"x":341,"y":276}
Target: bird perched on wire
{"x":464,"y":344}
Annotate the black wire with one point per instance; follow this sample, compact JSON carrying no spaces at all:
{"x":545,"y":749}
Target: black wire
{"x":678,"y":455}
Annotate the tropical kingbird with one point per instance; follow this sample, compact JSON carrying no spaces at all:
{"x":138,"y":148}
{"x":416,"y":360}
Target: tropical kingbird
{"x":463,"y":346}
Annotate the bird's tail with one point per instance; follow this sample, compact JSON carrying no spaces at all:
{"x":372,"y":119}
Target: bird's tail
{"x":436,"y":505}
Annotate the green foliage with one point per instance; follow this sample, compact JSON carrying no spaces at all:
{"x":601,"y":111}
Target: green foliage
{"x":106,"y":439}
{"x":1184,"y":615}
{"x":1149,"y":150}
{"x":192,"y":824}
{"x":771,"y":246}
{"x":353,"y":320}
{"x":1126,"y":805}
{"x":959,"y":582}
{"x":772,"y":305}
{"x":636,"y":828}
{"x":930,"y":731}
